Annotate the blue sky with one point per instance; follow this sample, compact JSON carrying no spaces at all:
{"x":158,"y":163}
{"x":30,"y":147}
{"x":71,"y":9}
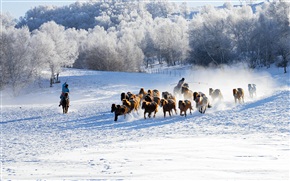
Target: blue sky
{"x":18,"y":8}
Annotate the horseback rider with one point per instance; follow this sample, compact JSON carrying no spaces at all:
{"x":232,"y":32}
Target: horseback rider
{"x":64,"y":90}
{"x":180,"y":82}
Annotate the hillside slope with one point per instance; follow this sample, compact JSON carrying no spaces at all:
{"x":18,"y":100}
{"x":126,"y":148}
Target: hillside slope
{"x":242,"y":141}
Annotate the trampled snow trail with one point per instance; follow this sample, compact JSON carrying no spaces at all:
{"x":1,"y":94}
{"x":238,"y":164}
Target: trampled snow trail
{"x":247,"y":141}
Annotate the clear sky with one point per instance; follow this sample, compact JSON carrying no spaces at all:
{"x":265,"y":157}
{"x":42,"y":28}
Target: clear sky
{"x":18,"y":8}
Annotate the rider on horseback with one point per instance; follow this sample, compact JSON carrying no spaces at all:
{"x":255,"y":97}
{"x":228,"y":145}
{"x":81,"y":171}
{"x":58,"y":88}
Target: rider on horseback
{"x":64,"y":90}
{"x":180,"y":83}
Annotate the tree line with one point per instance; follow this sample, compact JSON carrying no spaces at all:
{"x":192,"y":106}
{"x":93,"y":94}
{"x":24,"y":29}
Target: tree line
{"x":132,"y":35}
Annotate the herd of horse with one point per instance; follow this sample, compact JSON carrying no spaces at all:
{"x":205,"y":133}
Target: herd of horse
{"x":152,"y":99}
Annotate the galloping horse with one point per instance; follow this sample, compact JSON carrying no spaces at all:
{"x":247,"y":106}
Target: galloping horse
{"x":65,"y":103}
{"x":252,"y":90}
{"x":238,"y":95}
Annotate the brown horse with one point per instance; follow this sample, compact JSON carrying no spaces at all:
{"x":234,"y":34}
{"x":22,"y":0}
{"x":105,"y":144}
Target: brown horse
{"x":65,"y":103}
{"x":238,"y":95}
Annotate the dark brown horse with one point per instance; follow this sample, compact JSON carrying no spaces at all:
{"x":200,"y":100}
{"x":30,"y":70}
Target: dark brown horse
{"x":65,"y":103}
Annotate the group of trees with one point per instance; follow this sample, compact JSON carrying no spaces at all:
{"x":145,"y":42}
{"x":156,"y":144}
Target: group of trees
{"x":129,"y":35}
{"x":24,"y":55}
{"x":105,"y":13}
{"x":227,"y":35}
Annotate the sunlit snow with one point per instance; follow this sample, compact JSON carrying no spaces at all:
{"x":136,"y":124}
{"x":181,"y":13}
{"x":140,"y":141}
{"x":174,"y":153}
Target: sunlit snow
{"x":230,"y":141}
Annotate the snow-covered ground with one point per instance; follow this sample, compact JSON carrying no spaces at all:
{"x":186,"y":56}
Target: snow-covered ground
{"x":230,"y":141}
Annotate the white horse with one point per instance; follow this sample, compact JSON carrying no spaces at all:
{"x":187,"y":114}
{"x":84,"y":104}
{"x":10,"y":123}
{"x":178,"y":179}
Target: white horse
{"x":252,"y":90}
{"x":202,"y":103}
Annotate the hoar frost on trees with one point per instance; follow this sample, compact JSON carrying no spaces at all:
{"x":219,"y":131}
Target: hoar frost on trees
{"x":209,"y":40}
{"x":64,"y":50}
{"x":101,"y":50}
{"x":114,"y":51}
{"x":276,"y":14}
{"x":130,"y":53}
{"x":144,"y":31}
{"x":241,"y":24}
{"x":15,"y":58}
{"x":170,"y":40}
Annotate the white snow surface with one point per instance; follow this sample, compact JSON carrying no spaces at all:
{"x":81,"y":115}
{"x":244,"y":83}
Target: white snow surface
{"x":248,"y":141}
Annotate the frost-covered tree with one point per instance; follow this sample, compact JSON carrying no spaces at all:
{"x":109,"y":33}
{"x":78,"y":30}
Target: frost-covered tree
{"x":36,"y":16}
{"x":273,"y":27}
{"x":64,"y":50}
{"x":170,"y":39}
{"x":15,"y":58}
{"x":7,"y":23}
{"x":148,"y":48}
{"x":184,"y":10}
{"x":209,"y":39}
{"x":183,"y":40}
{"x":281,"y":12}
{"x":130,"y":52}
{"x":159,"y":8}
{"x":7,"y":20}
{"x":4,"y":42}
{"x":88,"y":14}
{"x":80,"y":36}
{"x":114,"y":50}
{"x":117,"y":35}
{"x":100,"y":50}
{"x":104,"y":20}
{"x":283,"y":49}
{"x":265,"y":39}
{"x":40,"y":50}
{"x":241,"y":24}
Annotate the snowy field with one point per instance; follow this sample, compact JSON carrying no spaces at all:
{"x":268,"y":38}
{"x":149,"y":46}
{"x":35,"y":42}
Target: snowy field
{"x":230,"y":141}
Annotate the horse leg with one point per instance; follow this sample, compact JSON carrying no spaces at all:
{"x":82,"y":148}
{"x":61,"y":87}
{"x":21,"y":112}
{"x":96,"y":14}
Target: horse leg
{"x":204,"y":109}
{"x":116,"y":117}
{"x":154,"y":114}
{"x":67,"y":106}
